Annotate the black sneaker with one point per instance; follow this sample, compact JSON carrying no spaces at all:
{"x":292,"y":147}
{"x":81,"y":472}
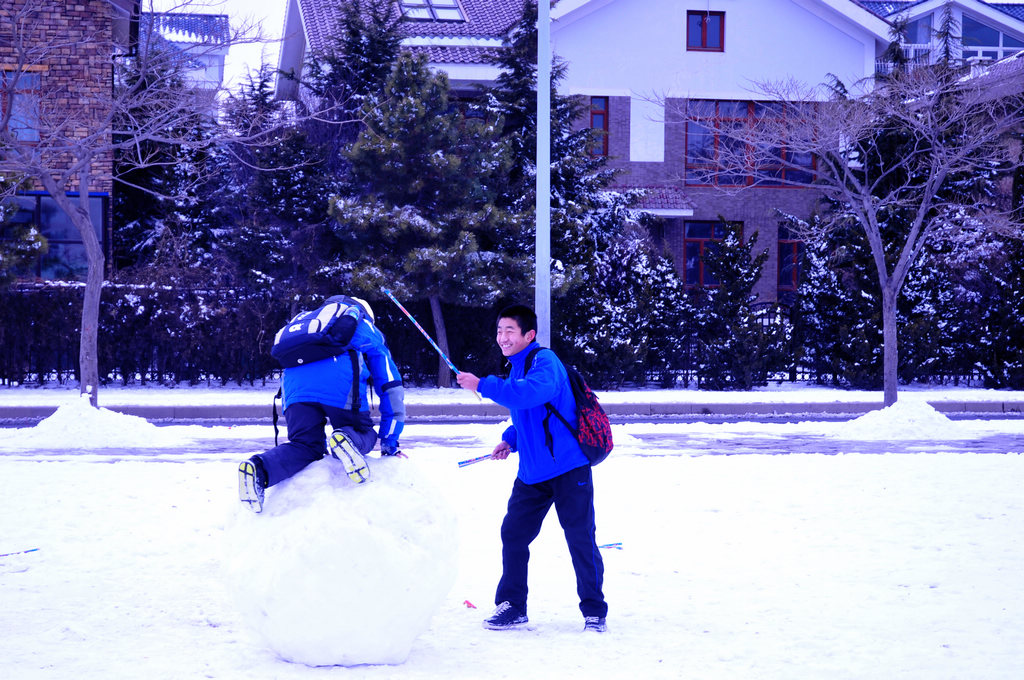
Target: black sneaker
{"x":252,"y":481}
{"x":594,"y":623}
{"x":505,"y":617}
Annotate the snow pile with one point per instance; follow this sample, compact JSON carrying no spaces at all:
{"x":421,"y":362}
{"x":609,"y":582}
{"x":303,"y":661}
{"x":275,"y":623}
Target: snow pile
{"x":334,"y":573}
{"x":77,"y":425}
{"x":906,"y":419}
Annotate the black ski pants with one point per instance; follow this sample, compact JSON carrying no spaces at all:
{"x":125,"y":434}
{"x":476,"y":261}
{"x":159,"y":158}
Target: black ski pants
{"x":572,"y":494}
{"x":307,"y":442}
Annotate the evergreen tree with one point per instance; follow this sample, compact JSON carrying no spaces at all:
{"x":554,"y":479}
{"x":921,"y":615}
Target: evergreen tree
{"x":737,"y":347}
{"x":588,"y":226}
{"x":339,"y":79}
{"x":426,"y":223}
{"x":634,"y":318}
{"x":276,"y":187}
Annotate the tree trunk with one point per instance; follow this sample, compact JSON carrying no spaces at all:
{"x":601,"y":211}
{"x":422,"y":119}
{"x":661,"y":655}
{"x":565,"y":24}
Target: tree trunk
{"x":890,"y":347}
{"x":444,"y":373}
{"x":88,"y":353}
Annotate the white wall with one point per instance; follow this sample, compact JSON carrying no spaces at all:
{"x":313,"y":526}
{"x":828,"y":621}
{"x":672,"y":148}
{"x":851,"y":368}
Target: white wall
{"x":638,"y":47}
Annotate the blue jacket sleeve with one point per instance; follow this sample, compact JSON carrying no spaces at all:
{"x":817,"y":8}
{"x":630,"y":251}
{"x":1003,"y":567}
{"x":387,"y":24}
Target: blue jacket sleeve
{"x":387,"y":381}
{"x":538,"y":387}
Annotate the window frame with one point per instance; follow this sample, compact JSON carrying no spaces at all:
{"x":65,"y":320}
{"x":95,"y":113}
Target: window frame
{"x":705,"y":17}
{"x":67,"y":250}
{"x":427,"y":10}
{"x":34,"y":98}
{"x":600,"y":147}
{"x":701,"y":243}
{"x":700,"y":172}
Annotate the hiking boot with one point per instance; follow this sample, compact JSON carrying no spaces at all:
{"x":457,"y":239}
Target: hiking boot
{"x":594,"y":623}
{"x":252,"y":481}
{"x":353,"y":461}
{"x":505,"y":617}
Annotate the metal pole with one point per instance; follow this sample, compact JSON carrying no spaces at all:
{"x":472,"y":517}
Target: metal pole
{"x":542,"y":293}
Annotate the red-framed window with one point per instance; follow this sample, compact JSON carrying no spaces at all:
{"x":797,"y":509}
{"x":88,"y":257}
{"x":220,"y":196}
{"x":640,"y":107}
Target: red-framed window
{"x":699,"y":238}
{"x":790,"y":252}
{"x":20,"y":93}
{"x":599,"y":122}
{"x":709,"y":144}
{"x":705,"y":31}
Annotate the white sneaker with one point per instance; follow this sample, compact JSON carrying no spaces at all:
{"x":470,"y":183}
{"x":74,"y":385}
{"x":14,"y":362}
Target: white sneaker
{"x":353,"y":461}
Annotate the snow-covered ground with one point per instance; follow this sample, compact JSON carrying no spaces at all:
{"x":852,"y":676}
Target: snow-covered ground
{"x":112,"y":553}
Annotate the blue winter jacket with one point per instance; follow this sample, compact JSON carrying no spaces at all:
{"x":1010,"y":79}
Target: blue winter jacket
{"x":329,"y":382}
{"x":525,"y":397}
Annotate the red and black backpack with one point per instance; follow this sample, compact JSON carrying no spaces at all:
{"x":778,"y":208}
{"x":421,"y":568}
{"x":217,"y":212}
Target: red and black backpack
{"x":592,"y":429}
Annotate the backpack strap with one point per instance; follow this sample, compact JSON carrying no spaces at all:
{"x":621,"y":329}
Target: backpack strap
{"x":354,"y":357}
{"x":276,"y":397}
{"x":548,"y":439}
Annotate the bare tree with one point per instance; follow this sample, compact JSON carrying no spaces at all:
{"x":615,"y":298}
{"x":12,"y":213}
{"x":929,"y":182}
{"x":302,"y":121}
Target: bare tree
{"x":79,"y":91}
{"x":948,"y":127}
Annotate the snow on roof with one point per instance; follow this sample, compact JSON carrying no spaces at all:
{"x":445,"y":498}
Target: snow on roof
{"x":487,"y":21}
{"x":888,"y":8}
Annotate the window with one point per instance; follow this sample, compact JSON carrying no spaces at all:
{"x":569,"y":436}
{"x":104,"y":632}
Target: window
{"x":790,"y":251}
{"x":19,"y":95}
{"x":66,"y":257}
{"x":712,"y":153}
{"x":599,"y":122}
{"x":980,"y":40}
{"x":699,"y":238}
{"x":432,"y":10}
{"x":705,"y":31}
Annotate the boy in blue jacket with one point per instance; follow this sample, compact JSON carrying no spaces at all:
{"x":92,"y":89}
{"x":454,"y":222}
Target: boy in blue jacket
{"x":333,"y":390}
{"x":558,"y":475}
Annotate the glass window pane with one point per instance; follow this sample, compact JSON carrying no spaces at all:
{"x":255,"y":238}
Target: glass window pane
{"x":444,"y":3}
{"x":975,"y":33}
{"x":691,"y":255}
{"x":732,"y":109}
{"x":448,"y":14}
{"x":700,"y":144}
{"x":694,"y":27}
{"x":65,"y":261}
{"x":698,"y":229}
{"x":598,"y":103}
{"x":919,"y":30}
{"x":597,"y":121}
{"x":1010,"y":41}
{"x":415,"y":13}
{"x":714,"y":31}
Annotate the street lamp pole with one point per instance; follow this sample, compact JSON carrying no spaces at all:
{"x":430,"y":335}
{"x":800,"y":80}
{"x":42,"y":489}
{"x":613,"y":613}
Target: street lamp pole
{"x":542,"y":292}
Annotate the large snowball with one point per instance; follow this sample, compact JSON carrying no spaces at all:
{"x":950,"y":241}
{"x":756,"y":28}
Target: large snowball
{"x":335,"y":573}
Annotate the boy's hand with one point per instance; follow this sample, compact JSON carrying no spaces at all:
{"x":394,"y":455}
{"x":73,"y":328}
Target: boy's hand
{"x":468,"y":381}
{"x":501,"y":451}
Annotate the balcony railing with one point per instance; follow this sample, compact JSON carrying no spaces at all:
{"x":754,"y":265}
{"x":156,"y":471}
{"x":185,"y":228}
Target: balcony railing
{"x":914,"y":55}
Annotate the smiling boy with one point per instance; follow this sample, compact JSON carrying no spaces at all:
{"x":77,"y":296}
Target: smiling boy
{"x":550,"y":473}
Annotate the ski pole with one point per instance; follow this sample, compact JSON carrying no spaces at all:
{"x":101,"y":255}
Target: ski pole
{"x":464,"y":463}
{"x":420,"y":328}
{"x":426,"y":335}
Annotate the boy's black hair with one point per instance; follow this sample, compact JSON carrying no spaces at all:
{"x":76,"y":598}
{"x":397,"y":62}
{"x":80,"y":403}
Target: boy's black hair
{"x":523,"y":315}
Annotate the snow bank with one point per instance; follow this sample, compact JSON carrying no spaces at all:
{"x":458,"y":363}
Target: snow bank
{"x":906,"y":419}
{"x":77,"y":425}
{"x":334,"y":573}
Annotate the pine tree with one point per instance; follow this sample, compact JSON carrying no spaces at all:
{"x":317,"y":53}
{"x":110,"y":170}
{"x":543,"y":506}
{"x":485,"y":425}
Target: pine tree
{"x":426,"y":223}
{"x":737,"y":347}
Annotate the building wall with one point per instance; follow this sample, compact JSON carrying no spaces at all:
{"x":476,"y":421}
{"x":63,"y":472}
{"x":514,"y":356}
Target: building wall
{"x":767,"y":40}
{"x":75,"y":62}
